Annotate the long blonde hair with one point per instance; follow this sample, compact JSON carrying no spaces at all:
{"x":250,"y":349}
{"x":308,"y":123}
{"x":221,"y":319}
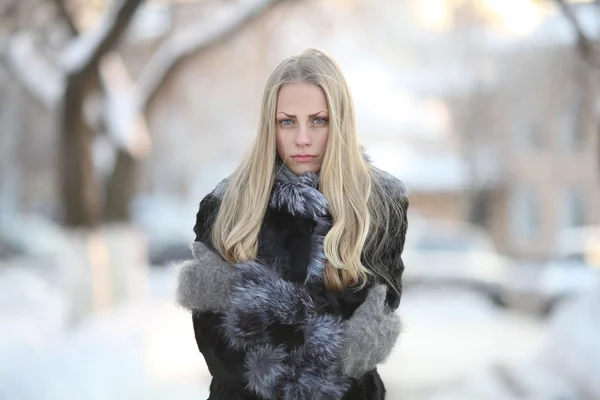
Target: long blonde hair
{"x":357,"y":200}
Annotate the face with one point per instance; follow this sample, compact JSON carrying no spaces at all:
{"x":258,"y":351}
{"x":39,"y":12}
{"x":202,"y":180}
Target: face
{"x":302,"y":126}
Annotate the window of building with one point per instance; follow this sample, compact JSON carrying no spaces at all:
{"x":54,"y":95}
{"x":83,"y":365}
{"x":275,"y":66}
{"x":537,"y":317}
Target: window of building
{"x":525,"y":212}
{"x":528,"y":133}
{"x":573,"y":127}
{"x":572,"y":208}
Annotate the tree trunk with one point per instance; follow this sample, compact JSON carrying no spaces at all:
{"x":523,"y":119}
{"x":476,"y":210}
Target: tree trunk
{"x":80,"y":187}
{"x":227,"y":21}
{"x":10,"y":123}
{"x":121,"y":188}
{"x":479,"y":207}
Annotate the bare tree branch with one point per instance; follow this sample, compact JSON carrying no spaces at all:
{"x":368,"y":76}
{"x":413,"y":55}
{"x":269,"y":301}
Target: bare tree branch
{"x":7,"y":7}
{"x":64,"y":13}
{"x":568,"y":13}
{"x":228,"y":20}
{"x":587,"y":47}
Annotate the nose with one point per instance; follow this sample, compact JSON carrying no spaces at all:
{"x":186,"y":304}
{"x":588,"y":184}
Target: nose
{"x":302,"y":137}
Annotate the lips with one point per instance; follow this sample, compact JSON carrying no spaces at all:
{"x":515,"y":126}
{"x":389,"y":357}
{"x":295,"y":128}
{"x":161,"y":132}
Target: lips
{"x":304,"y":158}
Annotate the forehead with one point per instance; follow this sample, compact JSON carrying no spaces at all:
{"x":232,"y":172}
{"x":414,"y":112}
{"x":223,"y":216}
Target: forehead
{"x":299,"y":96}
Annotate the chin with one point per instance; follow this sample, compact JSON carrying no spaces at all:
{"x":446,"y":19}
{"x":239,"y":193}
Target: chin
{"x":299,"y":169}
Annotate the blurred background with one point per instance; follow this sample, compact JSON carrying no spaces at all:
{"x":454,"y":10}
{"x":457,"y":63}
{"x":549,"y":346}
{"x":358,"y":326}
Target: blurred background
{"x":118,"y":116}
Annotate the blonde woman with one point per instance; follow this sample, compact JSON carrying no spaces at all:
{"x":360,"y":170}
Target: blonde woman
{"x":297,"y":259}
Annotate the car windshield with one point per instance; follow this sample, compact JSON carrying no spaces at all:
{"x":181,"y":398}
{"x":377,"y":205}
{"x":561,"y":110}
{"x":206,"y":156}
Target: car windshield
{"x":444,"y":243}
{"x":433,"y":236}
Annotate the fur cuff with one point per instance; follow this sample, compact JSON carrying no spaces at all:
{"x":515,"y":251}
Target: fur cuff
{"x":260,"y":299}
{"x":308,"y":372}
{"x":370,"y":335}
{"x":314,"y":367}
{"x":205,"y":282}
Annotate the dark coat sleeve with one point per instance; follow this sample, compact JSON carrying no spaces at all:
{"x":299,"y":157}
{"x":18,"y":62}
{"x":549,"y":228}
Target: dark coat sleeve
{"x":372,"y":327}
{"x":386,"y":260}
{"x":224,"y":362}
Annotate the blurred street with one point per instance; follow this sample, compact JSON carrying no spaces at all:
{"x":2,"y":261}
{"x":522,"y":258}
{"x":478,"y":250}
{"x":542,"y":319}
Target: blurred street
{"x":451,"y":343}
{"x":118,"y":116}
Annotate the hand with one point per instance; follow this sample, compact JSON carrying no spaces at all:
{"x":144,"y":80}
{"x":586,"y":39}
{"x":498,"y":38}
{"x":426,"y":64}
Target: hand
{"x":369,"y":335}
{"x":205,"y":282}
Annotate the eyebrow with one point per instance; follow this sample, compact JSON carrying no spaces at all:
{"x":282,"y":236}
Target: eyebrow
{"x":293,"y":116}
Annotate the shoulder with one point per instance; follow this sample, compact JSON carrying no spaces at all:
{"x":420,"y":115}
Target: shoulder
{"x":208,"y":210}
{"x":391,"y":192}
{"x":391,"y":186}
{"x":383,"y":252}
{"x":212,"y":200}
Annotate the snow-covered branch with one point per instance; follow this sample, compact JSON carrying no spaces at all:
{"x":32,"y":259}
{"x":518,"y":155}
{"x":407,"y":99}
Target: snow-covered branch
{"x":587,"y":47}
{"x":41,"y":78}
{"x":64,"y":13}
{"x":125,"y":122}
{"x":86,"y":50}
{"x":227,"y":20}
{"x":35,"y":73}
{"x":126,"y":101}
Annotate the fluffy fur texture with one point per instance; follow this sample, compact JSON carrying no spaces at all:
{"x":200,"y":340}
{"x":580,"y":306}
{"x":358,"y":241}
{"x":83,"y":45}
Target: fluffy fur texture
{"x":256,"y":301}
{"x":299,"y":196}
{"x":316,"y":266}
{"x":298,"y":199}
{"x":259,"y":299}
{"x":265,"y":369}
{"x":205,"y":282}
{"x":315,"y":367}
{"x":308,"y":372}
{"x":370,"y":335}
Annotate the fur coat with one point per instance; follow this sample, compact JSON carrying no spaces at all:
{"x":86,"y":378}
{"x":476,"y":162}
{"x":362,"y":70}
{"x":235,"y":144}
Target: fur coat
{"x":269,"y":329}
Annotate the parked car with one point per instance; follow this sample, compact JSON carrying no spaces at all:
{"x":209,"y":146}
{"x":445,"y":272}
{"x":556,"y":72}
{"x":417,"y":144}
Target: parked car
{"x":573,"y":270}
{"x":449,"y":252}
{"x":167,"y":224}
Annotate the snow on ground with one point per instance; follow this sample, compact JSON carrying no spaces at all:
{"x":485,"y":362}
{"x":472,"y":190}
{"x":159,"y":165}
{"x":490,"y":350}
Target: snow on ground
{"x":139,"y":350}
{"x":452,"y":343}
{"x":146,"y":350}
{"x":573,"y":351}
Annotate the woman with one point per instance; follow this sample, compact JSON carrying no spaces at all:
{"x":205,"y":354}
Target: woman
{"x":297,"y":259}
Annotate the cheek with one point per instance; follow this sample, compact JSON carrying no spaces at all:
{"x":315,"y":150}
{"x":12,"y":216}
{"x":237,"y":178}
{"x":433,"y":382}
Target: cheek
{"x":280,"y":145}
{"x":323,"y":141}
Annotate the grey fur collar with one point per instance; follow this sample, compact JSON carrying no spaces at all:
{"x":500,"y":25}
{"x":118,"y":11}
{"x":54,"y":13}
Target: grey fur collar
{"x":298,"y":194}
{"x":285,"y":174}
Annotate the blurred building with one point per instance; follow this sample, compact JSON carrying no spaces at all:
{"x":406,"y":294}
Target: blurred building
{"x":546,"y":123}
{"x":500,"y":129}
{"x":529,"y":133}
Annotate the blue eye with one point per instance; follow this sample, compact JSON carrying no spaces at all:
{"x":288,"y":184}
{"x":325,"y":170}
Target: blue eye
{"x":320,"y":120}
{"x":286,"y":122}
